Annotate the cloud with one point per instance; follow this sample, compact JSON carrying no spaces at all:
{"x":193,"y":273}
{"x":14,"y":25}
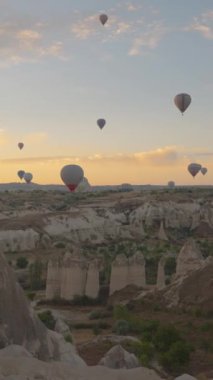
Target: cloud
{"x":149,"y":39}
{"x":28,"y":38}
{"x":203,"y":25}
{"x":142,"y":32}
{"x":85,"y":28}
{"x":20,"y":44}
{"x":161,"y":156}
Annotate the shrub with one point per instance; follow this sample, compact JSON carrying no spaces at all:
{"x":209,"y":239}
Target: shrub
{"x":121,"y":312}
{"x":96,"y":330}
{"x":170,"y":266}
{"x":165,"y":337}
{"x":121,"y":327}
{"x":83,"y":301}
{"x":95,"y":314}
{"x":22,"y":262}
{"x":31,"y":295}
{"x":147,"y":329}
{"x":60,"y":244}
{"x":208,"y":326}
{"x":206,"y":345}
{"x":68,"y":338}
{"x":47,"y":318}
{"x":35,"y":273}
{"x":177,"y":357}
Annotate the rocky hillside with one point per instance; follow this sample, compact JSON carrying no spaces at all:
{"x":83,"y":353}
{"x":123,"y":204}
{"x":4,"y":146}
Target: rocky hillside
{"x":193,"y":291}
{"x":38,"y":219}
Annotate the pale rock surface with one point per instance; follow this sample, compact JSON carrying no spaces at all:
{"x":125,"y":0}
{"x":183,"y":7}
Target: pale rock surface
{"x":119,"y":273}
{"x":45,"y":241}
{"x":19,"y":324}
{"x":53,"y":282}
{"x":185,"y":377}
{"x":189,"y":258}
{"x":61,"y":327}
{"x":31,"y":369}
{"x":18,"y":240}
{"x":73,"y":275}
{"x":117,"y":358}
{"x":136,"y":270}
{"x":161,"y":233}
{"x":161,"y":280}
{"x":14,"y":350}
{"x":92,"y":280}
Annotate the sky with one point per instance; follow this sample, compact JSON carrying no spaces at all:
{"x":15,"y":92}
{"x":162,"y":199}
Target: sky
{"x":61,"y":70}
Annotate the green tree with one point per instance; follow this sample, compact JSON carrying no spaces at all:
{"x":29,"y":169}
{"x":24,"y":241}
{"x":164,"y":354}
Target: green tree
{"x":22,"y":262}
{"x":47,"y":318}
{"x":35,"y":272}
{"x":177,"y":357}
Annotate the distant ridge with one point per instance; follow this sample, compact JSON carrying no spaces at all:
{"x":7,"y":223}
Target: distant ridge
{"x":17,"y":186}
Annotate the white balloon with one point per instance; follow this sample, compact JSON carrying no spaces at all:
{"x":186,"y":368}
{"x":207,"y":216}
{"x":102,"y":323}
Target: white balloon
{"x":72,"y":175}
{"x":28,"y":177}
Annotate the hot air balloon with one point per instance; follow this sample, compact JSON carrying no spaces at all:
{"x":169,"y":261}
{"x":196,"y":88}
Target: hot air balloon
{"x":103,"y":19}
{"x":203,"y":170}
{"x":171,"y":184}
{"x":28,"y":177}
{"x":194,"y":169}
{"x":72,"y":175}
{"x":21,"y":173}
{"x":21,"y":145}
{"x":101,"y":123}
{"x":182,"y":101}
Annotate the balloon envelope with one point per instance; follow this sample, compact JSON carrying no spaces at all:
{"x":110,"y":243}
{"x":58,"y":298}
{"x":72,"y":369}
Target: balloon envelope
{"x":28,"y":177}
{"x":101,"y":123}
{"x":194,"y":169}
{"x":21,"y":174}
{"x":182,"y":101}
{"x":72,"y":175}
{"x":171,"y":184}
{"x":20,"y":145}
{"x":103,"y":19}
{"x":203,"y":170}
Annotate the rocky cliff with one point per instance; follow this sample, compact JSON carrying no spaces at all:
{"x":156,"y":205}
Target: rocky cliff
{"x":20,"y":325}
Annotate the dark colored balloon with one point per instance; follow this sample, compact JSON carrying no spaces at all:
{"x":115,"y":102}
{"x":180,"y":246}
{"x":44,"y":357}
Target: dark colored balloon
{"x":103,"y":19}
{"x":203,"y":170}
{"x":182,"y":101}
{"x":20,"y":145}
{"x":101,"y":123}
{"x":21,"y":174}
{"x":194,"y":169}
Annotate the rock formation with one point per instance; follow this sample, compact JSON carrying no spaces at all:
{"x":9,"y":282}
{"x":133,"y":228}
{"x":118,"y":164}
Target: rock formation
{"x":119,"y":273}
{"x":31,"y":369}
{"x":117,"y":358}
{"x":194,"y":290}
{"x":189,"y":258}
{"x":127,"y":271}
{"x":136,"y":270}
{"x":53,"y":283}
{"x":92,"y":280}
{"x":19,"y":325}
{"x":72,"y":276}
{"x":161,"y":280}
{"x":18,"y":240}
{"x":161,"y":233}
